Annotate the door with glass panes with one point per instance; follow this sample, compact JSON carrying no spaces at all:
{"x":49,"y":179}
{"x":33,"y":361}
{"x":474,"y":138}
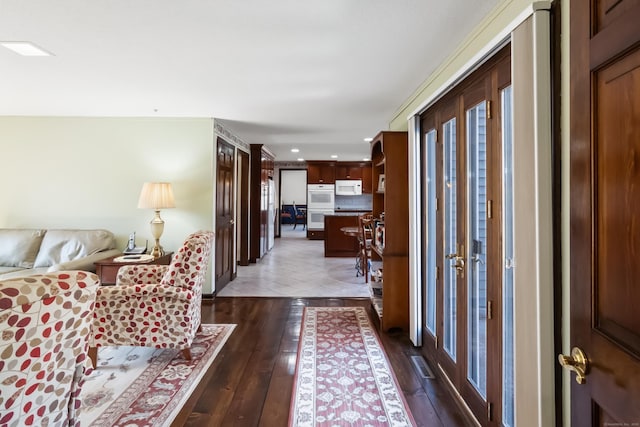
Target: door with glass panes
{"x":466,"y":140}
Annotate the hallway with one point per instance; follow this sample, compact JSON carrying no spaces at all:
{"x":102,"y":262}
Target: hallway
{"x":251,"y":381}
{"x":296,"y":267}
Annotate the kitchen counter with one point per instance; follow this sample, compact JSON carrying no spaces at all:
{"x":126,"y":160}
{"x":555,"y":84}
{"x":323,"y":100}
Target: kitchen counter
{"x":352,"y":211}
{"x":336,"y":242}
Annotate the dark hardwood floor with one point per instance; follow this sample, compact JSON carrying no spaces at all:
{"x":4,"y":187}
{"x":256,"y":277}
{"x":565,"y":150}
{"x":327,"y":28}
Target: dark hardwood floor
{"x":250,"y":381}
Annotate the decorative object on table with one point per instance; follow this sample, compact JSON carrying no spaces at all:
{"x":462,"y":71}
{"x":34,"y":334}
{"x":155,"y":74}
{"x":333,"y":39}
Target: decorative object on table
{"x":344,"y":378}
{"x":137,"y":386}
{"x":134,"y":258}
{"x":379,"y":234}
{"x":154,"y":305}
{"x":381,"y":183}
{"x":45,"y":321}
{"x":156,"y":196}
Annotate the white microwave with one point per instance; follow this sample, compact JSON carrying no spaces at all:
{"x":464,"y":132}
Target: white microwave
{"x":348,"y":187}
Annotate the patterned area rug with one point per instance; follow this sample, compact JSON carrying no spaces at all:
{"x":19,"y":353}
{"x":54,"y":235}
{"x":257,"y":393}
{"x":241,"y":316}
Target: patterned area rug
{"x":141,"y":386}
{"x":343,"y":377}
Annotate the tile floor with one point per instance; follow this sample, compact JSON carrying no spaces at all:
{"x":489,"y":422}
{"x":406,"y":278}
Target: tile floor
{"x":296,"y":267}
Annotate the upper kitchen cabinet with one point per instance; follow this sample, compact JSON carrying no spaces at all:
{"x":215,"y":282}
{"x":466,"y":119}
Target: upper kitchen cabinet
{"x":345,"y":170}
{"x":321,"y":172}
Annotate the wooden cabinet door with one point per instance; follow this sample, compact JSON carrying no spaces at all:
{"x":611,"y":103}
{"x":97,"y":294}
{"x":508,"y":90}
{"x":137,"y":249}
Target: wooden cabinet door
{"x":348,"y":171}
{"x":321,"y":173}
{"x":604,"y":209}
{"x":367,"y":188}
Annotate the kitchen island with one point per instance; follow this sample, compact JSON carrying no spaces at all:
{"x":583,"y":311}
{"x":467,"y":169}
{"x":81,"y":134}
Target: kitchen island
{"x":336,"y":242}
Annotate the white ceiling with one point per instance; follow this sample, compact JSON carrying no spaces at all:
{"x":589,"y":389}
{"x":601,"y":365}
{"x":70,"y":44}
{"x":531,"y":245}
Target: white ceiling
{"x":320,"y":75}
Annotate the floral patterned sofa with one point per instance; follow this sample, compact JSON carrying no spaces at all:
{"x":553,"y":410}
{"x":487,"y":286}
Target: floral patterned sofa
{"x":154,"y":305}
{"x":45,"y":322}
{"x":24,"y":251}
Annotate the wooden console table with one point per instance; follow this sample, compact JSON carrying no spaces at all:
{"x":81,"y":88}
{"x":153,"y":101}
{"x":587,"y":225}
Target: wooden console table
{"x":107,"y":269}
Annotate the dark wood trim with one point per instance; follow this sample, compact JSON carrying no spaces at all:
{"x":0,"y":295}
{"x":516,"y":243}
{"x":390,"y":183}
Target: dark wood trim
{"x":243,"y":233}
{"x":556,"y":152}
{"x":262,"y":169}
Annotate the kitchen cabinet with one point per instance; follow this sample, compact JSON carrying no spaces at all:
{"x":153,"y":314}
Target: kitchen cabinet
{"x":315,"y":234}
{"x":345,"y":170}
{"x":321,"y":172}
{"x":367,"y":188}
{"x":389,"y":151}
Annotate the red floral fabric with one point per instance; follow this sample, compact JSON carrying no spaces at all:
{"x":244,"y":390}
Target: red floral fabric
{"x":152,"y":305}
{"x":45,"y":322}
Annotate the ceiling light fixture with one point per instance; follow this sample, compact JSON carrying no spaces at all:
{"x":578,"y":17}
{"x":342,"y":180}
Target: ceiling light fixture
{"x":366,"y":159}
{"x":295,"y":150}
{"x":368,"y":139}
{"x":25,"y":48}
{"x":334,"y":156}
{"x":301,"y":159}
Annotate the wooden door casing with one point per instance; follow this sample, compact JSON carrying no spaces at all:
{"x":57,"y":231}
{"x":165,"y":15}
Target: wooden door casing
{"x":225,"y":191}
{"x":604,"y":207}
{"x":243,"y":214}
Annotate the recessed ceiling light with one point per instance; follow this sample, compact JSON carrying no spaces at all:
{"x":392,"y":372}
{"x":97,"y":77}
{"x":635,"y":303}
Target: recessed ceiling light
{"x":366,"y":159}
{"x":368,"y":139}
{"x":334,"y":156}
{"x":301,"y":159}
{"x":295,"y":150}
{"x":26,"y":49}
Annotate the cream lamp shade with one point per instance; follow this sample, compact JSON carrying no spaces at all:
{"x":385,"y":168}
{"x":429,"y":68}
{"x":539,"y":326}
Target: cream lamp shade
{"x":156,"y":196}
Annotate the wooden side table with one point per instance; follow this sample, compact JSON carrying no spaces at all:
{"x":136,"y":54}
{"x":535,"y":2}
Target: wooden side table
{"x":107,"y":269}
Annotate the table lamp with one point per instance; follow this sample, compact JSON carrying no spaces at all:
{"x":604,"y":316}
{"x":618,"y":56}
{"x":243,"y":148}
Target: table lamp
{"x":156,"y":196}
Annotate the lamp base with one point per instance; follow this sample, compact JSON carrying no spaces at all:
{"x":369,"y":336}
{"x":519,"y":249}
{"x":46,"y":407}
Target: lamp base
{"x":157,"y":250}
{"x":157,"y":227}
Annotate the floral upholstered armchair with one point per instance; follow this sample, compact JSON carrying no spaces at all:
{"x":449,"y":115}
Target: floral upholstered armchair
{"x":154,"y":305}
{"x":45,"y":321}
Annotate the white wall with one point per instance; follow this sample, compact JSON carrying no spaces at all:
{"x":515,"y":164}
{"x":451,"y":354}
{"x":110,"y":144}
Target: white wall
{"x":87,"y":173}
{"x":293,"y":187}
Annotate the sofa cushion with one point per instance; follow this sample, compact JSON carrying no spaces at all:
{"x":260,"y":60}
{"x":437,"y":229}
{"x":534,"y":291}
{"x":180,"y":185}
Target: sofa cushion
{"x":60,"y":246}
{"x":19,"y":247}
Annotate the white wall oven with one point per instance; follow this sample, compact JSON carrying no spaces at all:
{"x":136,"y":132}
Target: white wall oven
{"x":315,"y":218}
{"x":320,"y":196}
{"x":320,"y":202}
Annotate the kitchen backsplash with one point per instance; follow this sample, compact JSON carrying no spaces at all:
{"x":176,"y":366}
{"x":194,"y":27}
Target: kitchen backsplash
{"x":354,"y":203}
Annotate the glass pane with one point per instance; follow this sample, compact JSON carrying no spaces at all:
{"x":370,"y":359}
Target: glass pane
{"x":450,"y":236}
{"x":430,"y":232}
{"x":477,"y":248}
{"x":508,"y":392}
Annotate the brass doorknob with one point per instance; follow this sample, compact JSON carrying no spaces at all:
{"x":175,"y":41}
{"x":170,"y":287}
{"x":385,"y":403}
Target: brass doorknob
{"x":577,"y":363}
{"x":458,"y":261}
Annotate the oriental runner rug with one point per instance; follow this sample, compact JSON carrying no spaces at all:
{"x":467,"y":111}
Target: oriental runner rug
{"x":143,"y":386}
{"x":343,"y":376}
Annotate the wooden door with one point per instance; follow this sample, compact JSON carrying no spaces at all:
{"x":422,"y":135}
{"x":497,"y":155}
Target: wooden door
{"x":225,"y":213}
{"x":605,"y":209}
